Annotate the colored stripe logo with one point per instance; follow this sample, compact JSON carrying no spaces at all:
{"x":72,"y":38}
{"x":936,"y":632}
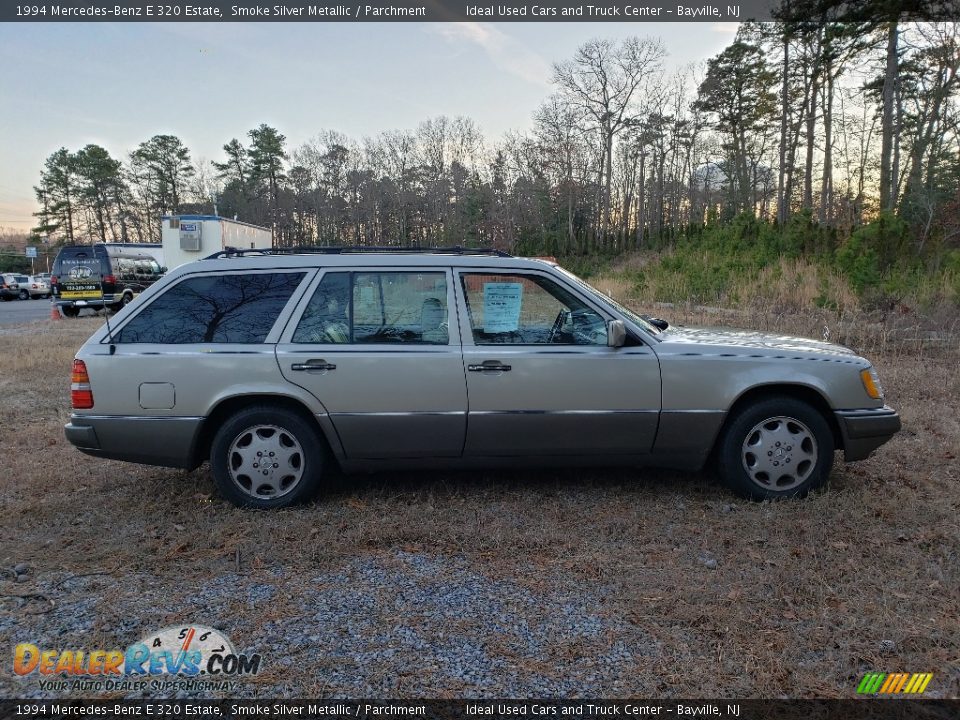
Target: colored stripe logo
{"x":894,"y":683}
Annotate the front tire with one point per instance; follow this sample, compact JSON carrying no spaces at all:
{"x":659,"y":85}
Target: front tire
{"x":776,"y":448}
{"x":24,"y":294}
{"x":267,"y":457}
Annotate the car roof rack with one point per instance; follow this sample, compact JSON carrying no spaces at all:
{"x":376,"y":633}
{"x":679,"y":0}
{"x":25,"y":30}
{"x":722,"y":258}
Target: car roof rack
{"x":344,"y":250}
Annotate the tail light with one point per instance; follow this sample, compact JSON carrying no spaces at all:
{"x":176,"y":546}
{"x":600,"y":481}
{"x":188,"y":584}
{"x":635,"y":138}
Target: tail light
{"x":53,"y":279}
{"x":80,"y":392}
{"x":112,"y":279}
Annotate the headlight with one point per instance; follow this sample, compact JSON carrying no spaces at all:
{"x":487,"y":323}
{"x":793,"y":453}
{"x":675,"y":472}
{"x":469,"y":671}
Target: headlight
{"x":871,"y":383}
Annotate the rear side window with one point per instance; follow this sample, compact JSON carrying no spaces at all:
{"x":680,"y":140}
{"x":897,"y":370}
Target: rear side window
{"x":235,"y":308}
{"x":377,"y":307}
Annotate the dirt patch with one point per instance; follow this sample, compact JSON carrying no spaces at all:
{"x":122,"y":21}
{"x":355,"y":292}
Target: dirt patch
{"x":492,"y":584}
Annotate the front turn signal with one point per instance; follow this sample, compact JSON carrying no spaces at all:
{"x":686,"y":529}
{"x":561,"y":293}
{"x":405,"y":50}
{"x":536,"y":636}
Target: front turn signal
{"x":871,"y":383}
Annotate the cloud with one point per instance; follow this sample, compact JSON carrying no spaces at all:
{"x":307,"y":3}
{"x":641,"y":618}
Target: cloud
{"x":506,"y":52}
{"x":725,"y":27}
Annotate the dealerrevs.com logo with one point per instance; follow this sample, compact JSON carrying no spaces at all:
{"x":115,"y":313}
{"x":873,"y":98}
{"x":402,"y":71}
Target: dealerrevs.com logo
{"x":188,"y":653}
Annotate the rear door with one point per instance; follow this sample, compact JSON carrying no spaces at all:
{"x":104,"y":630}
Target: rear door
{"x":379,"y":350}
{"x":81,"y":274}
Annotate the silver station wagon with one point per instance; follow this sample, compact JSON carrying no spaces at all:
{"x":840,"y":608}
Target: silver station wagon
{"x":277,"y":366}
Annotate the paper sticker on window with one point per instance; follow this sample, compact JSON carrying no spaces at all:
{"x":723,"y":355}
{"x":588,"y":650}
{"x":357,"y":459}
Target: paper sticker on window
{"x":501,"y":307}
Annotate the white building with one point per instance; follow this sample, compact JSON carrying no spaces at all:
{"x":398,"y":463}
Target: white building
{"x":186,"y":238}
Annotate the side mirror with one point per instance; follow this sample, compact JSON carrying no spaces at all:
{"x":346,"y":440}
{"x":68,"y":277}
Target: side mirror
{"x":162,"y":270}
{"x":616,"y":333}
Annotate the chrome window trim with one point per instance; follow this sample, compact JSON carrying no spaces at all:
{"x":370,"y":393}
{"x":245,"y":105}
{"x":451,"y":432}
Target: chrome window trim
{"x":285,"y":335}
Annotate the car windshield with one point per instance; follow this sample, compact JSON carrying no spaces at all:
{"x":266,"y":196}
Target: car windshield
{"x":607,"y":300}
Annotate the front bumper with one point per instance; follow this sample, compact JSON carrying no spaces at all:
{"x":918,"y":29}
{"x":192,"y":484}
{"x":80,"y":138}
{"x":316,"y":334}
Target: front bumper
{"x":864,"y":431}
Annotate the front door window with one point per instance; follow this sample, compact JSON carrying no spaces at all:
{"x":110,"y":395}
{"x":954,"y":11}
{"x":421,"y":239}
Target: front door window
{"x":528,"y":310}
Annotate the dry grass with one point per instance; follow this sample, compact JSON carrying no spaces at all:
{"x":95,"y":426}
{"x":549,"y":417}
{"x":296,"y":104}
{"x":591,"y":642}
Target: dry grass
{"x":800,"y":298}
{"x":806,"y":596}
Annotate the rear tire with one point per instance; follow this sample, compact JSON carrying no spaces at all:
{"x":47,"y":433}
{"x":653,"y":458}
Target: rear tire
{"x":267,"y":457}
{"x":776,"y":448}
{"x":70,"y":312}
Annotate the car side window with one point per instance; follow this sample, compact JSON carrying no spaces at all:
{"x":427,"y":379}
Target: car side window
{"x":125,"y":269}
{"x":528,"y":310}
{"x":377,"y":307}
{"x":230,"y":308}
{"x":326,"y":319}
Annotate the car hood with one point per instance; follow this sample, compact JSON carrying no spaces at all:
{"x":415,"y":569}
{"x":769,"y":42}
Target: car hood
{"x":687,"y":337}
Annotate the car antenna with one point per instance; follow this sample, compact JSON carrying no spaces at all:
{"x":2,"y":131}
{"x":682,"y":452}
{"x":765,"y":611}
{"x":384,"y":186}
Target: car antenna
{"x":106,"y":312}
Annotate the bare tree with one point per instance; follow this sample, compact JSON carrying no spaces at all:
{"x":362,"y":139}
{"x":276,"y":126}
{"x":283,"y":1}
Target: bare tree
{"x":603,"y":79}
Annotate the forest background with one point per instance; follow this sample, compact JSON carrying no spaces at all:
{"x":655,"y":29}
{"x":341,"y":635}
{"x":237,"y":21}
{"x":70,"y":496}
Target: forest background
{"x":816,"y":159}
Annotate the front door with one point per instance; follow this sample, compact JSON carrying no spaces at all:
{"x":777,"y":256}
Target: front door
{"x":540,"y":376}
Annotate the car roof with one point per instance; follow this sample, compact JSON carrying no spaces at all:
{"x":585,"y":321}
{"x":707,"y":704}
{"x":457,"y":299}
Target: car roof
{"x":293,"y":260}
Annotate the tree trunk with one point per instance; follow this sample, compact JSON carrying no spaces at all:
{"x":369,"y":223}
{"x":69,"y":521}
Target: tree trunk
{"x":826,"y":184}
{"x":886,"y":132}
{"x":810,"y":140}
{"x":606,"y":194}
{"x":782,"y":205}
{"x":641,"y":195}
{"x":897,"y":129}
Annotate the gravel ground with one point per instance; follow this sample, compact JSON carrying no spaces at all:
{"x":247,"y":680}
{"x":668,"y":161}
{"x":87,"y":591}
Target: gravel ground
{"x":390,"y":625}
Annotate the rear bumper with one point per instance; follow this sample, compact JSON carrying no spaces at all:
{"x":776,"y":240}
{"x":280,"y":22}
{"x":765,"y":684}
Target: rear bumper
{"x":165,"y":441}
{"x":88,"y":302}
{"x":864,"y":431}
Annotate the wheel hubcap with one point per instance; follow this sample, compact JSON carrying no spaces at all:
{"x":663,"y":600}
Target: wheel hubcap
{"x":779,"y":453}
{"x":265,"y":461}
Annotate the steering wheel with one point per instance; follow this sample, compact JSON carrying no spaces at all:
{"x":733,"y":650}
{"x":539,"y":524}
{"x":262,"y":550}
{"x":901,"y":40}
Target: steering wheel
{"x":588,"y":328}
{"x":562,"y":318}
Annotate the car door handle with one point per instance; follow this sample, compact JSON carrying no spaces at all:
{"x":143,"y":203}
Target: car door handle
{"x":313,"y":365}
{"x":489,"y":366}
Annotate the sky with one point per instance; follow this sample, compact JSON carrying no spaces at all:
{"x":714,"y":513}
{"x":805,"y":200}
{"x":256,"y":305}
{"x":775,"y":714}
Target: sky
{"x":118,"y":84}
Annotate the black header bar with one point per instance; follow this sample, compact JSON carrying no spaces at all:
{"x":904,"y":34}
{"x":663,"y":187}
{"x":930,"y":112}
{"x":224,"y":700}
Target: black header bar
{"x":644,"y":11}
{"x":898,"y":708}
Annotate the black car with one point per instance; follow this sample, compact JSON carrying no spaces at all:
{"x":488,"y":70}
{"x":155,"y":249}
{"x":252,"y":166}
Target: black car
{"x":98,"y":276}
{"x":9,"y":288}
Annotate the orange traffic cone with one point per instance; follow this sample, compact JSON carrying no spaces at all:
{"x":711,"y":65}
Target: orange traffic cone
{"x":55,"y":312}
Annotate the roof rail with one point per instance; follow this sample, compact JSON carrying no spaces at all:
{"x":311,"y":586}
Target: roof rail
{"x":344,"y":250}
